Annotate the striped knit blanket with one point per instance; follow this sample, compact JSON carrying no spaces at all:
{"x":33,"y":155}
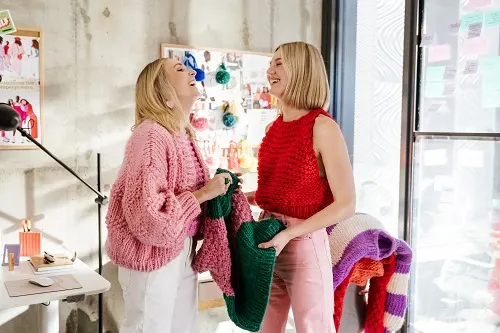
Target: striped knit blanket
{"x":363,"y":236}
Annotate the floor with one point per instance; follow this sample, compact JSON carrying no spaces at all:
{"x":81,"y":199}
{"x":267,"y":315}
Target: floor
{"x":216,"y":321}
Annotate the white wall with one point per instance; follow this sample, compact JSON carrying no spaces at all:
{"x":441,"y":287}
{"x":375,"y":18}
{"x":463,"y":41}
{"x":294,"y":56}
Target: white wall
{"x":93,"y":52}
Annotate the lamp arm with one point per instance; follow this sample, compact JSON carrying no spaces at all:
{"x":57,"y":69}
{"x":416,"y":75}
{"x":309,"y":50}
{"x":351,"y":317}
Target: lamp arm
{"x":101,"y":198}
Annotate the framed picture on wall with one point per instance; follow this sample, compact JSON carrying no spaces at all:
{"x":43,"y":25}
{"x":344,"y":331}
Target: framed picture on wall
{"x":21,"y":83}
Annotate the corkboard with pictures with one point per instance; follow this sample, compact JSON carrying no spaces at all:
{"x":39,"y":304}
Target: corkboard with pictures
{"x":21,"y":85}
{"x":234,"y":107}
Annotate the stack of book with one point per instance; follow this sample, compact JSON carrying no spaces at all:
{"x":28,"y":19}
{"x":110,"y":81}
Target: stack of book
{"x":40,"y":265}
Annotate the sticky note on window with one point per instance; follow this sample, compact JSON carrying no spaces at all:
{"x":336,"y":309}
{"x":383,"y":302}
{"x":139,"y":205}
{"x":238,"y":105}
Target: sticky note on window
{"x":490,"y":90}
{"x":491,"y":81}
{"x":474,"y":4}
{"x":471,"y":18}
{"x":476,"y":46}
{"x":490,"y":64}
{"x":435,"y":73}
{"x":433,"y":89}
{"x":449,"y":88}
{"x":439,"y":53}
{"x":471,"y":66}
{"x":427,"y":39}
{"x":492,"y":18}
{"x":450,"y":73}
{"x":490,"y":98}
{"x":454,"y":27}
{"x":475,"y":30}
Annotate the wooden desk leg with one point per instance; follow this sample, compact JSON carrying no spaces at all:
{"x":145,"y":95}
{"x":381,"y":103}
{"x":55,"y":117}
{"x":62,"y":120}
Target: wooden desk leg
{"x":49,"y":317}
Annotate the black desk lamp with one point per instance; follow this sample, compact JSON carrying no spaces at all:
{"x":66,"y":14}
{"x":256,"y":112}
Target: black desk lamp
{"x":10,"y":121}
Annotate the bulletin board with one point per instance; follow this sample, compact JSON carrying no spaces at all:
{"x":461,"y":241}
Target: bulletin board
{"x":21,"y":82}
{"x":460,"y":67}
{"x":234,"y":107}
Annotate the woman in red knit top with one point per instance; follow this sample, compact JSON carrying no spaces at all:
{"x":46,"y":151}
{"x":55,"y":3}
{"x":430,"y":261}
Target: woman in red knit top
{"x":305,"y":180}
{"x":154,"y":210}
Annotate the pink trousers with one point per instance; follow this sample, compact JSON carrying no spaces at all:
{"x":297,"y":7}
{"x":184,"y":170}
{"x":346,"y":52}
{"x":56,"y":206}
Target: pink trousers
{"x":303,"y":280}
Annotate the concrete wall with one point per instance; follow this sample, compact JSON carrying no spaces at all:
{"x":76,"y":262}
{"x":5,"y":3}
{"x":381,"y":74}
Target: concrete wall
{"x":93,"y":52}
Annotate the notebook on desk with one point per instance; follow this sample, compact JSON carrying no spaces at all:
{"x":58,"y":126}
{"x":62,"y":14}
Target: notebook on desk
{"x":17,"y":288}
{"x":39,"y":266}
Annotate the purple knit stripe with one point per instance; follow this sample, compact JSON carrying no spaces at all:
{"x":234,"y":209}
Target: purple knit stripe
{"x":395,"y":304}
{"x":403,"y":264}
{"x":374,"y":244}
{"x":329,"y":229}
{"x":387,"y":331}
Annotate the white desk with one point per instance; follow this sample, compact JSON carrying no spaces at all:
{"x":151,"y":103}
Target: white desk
{"x":92,"y":283}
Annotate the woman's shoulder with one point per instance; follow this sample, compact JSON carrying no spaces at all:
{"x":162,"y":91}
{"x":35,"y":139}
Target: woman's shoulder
{"x":149,"y":137}
{"x":325,"y":127}
{"x":151,"y":131}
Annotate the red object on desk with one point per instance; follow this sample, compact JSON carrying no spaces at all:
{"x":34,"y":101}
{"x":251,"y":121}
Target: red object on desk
{"x":30,"y":241}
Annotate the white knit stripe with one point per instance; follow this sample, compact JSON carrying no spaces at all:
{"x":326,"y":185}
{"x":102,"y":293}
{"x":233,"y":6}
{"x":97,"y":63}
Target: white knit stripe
{"x":393,"y":323}
{"x":398,"y":284}
{"x":348,"y":229}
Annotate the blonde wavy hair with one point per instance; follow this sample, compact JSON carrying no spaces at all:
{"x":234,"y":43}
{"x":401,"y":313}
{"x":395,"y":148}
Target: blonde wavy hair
{"x":152,"y":92}
{"x":307,"y":86}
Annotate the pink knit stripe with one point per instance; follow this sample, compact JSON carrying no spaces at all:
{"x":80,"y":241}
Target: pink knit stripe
{"x":214,"y":255}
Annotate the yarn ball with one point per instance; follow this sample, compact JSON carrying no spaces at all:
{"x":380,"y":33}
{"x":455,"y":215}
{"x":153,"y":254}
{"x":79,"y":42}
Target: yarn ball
{"x":200,"y":75}
{"x":229,"y":120}
{"x":200,"y":124}
{"x":222,"y":76}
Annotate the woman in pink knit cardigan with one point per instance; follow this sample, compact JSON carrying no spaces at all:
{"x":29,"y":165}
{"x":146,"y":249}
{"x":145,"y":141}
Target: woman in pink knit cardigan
{"x":154,"y":210}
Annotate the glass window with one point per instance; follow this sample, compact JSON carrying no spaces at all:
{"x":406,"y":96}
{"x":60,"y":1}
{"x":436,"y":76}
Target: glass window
{"x":456,"y":211}
{"x":460,"y":67}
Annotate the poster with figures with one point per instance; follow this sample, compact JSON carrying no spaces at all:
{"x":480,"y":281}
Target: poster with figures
{"x":234,"y":107}
{"x":20,"y":86}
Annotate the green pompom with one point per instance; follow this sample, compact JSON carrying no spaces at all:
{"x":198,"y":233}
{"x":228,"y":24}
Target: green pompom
{"x":229,"y":120}
{"x":222,"y":76}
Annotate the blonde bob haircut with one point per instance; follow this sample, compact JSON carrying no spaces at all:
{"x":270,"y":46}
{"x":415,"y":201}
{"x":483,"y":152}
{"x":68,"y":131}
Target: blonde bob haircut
{"x":307,"y":86}
{"x":152,"y":92}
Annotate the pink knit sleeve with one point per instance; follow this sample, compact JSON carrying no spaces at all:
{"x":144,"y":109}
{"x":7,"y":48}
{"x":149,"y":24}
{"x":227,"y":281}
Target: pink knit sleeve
{"x":155,"y":214}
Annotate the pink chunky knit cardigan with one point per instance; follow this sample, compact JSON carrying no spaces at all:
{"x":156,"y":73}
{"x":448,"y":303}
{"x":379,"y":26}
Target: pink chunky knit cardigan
{"x":151,"y":204}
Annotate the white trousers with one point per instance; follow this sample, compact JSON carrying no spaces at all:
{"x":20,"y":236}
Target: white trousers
{"x":162,"y":301}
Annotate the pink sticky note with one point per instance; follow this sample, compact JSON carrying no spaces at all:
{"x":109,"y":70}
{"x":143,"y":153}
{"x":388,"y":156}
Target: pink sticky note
{"x":439,"y":53}
{"x":476,"y":46}
{"x":474,"y":4}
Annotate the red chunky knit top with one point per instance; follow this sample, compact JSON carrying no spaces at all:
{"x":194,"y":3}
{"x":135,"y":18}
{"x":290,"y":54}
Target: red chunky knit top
{"x":289,"y":179}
